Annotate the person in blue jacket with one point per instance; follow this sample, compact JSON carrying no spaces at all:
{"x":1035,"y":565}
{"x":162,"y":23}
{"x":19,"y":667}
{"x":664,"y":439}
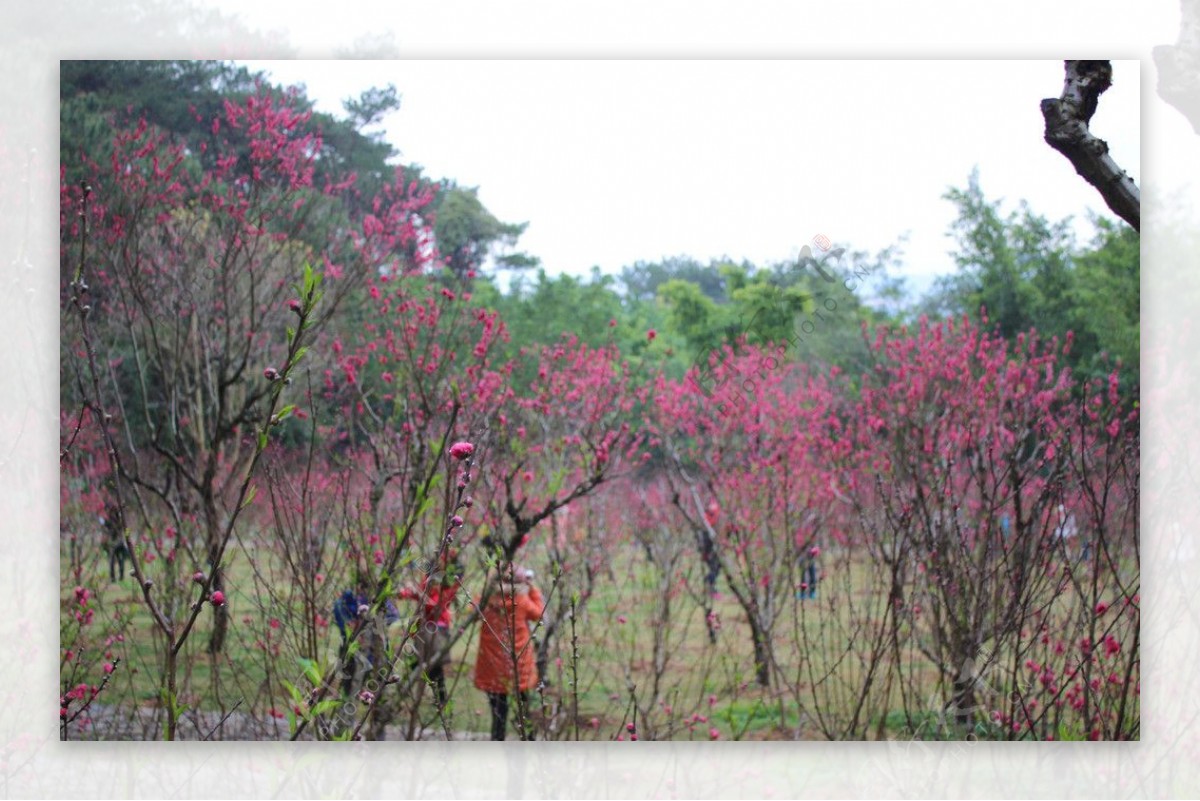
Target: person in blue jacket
{"x":350,"y":612}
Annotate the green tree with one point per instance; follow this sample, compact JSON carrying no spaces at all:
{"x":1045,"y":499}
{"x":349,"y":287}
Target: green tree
{"x":180,"y":97}
{"x":170,"y":95}
{"x":467,"y":233}
{"x":998,"y":259}
{"x":642,"y":280}
{"x":691,"y":314}
{"x":1105,"y":298}
{"x":1027,"y":272}
{"x":542,"y":310}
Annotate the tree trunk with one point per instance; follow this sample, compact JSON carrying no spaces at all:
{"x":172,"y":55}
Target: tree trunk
{"x":762,"y":660}
{"x":709,"y":622}
{"x":549,"y":628}
{"x":964,"y":700}
{"x":216,"y":641}
{"x":376,"y":680}
{"x":170,"y":702}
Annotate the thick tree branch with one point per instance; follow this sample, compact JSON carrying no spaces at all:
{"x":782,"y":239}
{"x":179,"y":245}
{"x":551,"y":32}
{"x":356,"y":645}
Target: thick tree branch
{"x":1179,"y":65}
{"x":1067,"y":132}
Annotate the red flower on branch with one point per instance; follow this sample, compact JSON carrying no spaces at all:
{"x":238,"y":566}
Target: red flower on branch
{"x":462,"y":450}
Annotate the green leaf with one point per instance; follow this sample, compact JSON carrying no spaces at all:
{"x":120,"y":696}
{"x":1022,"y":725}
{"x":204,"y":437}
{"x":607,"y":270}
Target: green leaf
{"x":294,"y":691}
{"x":328,"y":705}
{"x":309,"y":322}
{"x":556,"y":483}
{"x":312,"y":670}
{"x":426,"y":497}
{"x":250,"y":494}
{"x":426,"y":502}
{"x":309,"y":279}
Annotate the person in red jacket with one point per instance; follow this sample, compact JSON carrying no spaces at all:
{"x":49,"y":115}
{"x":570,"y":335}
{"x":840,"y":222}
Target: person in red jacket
{"x":436,"y":595}
{"x":506,"y":664}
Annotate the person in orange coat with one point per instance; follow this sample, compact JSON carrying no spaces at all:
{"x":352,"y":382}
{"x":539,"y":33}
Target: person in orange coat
{"x":510,"y":605}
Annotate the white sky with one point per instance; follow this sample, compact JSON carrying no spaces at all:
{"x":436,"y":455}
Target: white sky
{"x":613,"y":161}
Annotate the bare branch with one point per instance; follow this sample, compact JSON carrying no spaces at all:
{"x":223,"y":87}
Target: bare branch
{"x":1067,"y":132}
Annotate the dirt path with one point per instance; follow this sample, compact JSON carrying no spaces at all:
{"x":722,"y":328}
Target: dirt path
{"x":115,"y":723}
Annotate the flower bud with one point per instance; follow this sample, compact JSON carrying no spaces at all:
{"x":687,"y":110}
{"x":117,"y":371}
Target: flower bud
{"x":462,"y":450}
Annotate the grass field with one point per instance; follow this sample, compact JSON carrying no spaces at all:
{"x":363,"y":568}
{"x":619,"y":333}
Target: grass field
{"x":667,"y":680}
